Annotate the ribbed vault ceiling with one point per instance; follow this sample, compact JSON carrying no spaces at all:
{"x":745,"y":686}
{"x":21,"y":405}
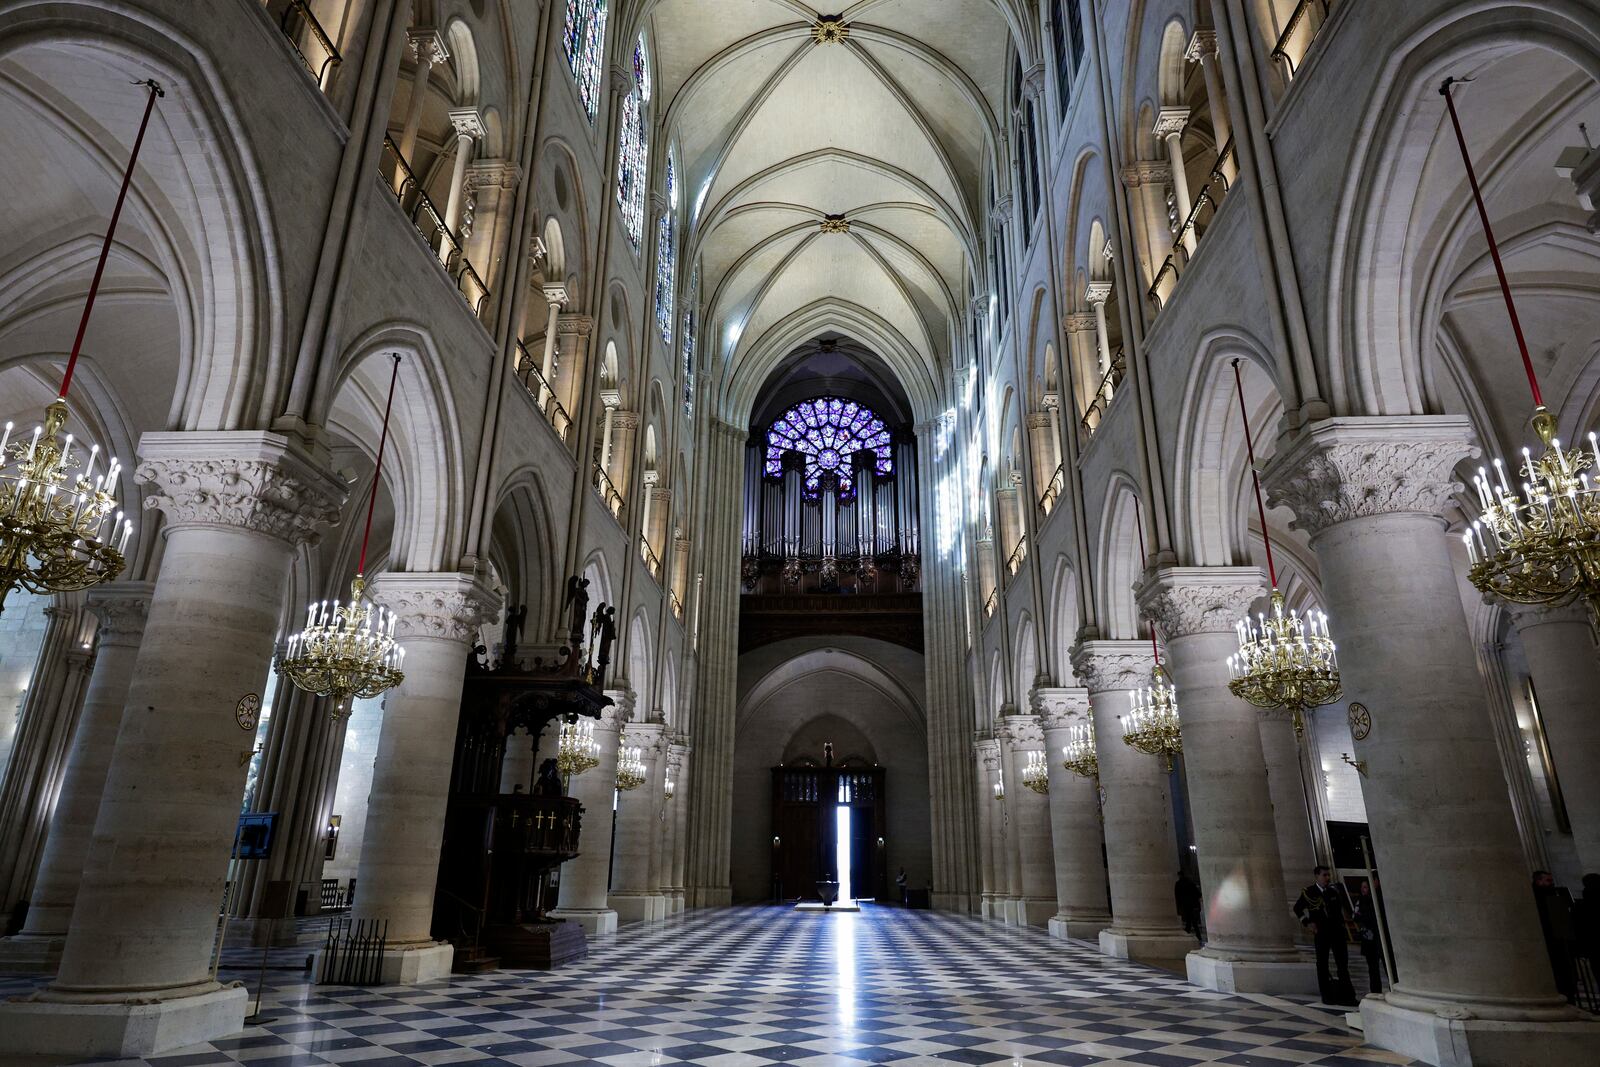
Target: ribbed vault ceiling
{"x":891,"y":128}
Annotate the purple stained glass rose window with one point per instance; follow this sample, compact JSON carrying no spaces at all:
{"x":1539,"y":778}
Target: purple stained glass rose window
{"x":828,"y":431}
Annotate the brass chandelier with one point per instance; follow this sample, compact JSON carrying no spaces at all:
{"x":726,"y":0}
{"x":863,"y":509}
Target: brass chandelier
{"x":61,"y":531}
{"x":630,"y":768}
{"x":1152,"y":724}
{"x":1036,"y":773}
{"x":1081,"y":756}
{"x":576,"y":749}
{"x":1537,"y":539}
{"x":348,"y":651}
{"x":1284,"y":660}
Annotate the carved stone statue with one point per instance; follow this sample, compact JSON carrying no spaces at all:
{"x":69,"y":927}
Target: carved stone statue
{"x":577,"y":606}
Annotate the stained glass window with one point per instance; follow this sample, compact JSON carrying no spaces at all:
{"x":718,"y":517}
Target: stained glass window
{"x":585,"y":41}
{"x":691,"y":297}
{"x":633,"y":162}
{"x":828,"y":431}
{"x":667,"y":258}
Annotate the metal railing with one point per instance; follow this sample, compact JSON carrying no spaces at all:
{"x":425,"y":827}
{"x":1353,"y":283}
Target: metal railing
{"x":677,"y":605}
{"x":1210,"y":196}
{"x":652,"y":562}
{"x":543,"y":393}
{"x":990,"y":605}
{"x":429,"y":221}
{"x":1052,"y":492}
{"x":304,"y":32}
{"x":1288,"y":51}
{"x":1018,"y":556}
{"x":608,"y":492}
{"x":1096,"y":411}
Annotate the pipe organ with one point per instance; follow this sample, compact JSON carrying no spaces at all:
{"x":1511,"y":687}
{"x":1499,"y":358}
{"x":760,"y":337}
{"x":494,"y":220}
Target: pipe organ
{"x":829,"y":511}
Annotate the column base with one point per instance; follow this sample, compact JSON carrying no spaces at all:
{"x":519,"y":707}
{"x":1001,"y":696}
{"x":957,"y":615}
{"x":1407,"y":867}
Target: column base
{"x":1077,"y":929}
{"x":1008,"y":911}
{"x":595,"y":921}
{"x":638,"y":907}
{"x":1035,"y":911}
{"x":674,"y":901}
{"x":414,"y":964}
{"x":957,"y":902}
{"x":1156,"y":945}
{"x":1468,"y":1042}
{"x":989,"y":906}
{"x":31,"y":953}
{"x":1250,"y":976}
{"x":709,"y":896}
{"x":122,"y":1029}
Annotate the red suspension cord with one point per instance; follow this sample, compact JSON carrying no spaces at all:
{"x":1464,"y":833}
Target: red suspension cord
{"x":105,"y":248}
{"x":377,"y":470}
{"x":1255,"y":479}
{"x":1494,"y":249}
{"x":1138,"y":522}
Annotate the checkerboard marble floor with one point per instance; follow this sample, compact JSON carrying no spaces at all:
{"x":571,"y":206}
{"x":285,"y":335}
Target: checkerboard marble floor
{"x":770,"y":985}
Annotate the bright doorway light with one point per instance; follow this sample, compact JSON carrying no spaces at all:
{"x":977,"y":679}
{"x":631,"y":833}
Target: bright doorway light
{"x":841,"y":850}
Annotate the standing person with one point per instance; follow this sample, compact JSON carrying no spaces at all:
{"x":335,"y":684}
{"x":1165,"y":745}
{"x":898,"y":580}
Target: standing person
{"x":900,"y":882}
{"x":1555,"y":919}
{"x":1186,"y":893}
{"x":1367,"y":925}
{"x":1586,"y":914}
{"x":1323,"y":908}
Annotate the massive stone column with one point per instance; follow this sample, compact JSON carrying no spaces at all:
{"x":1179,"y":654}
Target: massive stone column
{"x":986,"y":754}
{"x":1473,"y":982}
{"x":634,"y":897}
{"x":438,"y":617}
{"x":586,"y":878}
{"x":1141,"y":848}
{"x":121,"y":608}
{"x":673,"y":818}
{"x":1030,"y":824}
{"x":135,"y":974}
{"x":1250,"y":934}
{"x":1291,"y":812}
{"x":1076,"y":834}
{"x":1559,"y":644}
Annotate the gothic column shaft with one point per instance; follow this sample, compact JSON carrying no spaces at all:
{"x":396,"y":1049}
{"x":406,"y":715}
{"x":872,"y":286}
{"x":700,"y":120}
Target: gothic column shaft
{"x":1141,"y":848}
{"x":428,"y":48}
{"x":135,"y":973}
{"x":634,"y":897}
{"x":1250,"y":940}
{"x":585,"y":879}
{"x":121,"y":608}
{"x":1290,"y":810}
{"x":986,"y":763}
{"x":1170,"y":123}
{"x":468,"y":127}
{"x":1030,"y":824}
{"x":437,"y":615}
{"x":1075,"y":830}
{"x":1466,"y":937}
{"x":1560,"y":648}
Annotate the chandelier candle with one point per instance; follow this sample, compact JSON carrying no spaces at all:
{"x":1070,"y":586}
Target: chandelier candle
{"x":1152,"y":725}
{"x":1036,"y":774}
{"x":1080,"y":756}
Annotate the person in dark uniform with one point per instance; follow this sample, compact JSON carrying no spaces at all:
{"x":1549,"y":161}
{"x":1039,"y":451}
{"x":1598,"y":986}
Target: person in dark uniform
{"x":1186,"y":894}
{"x":1324,"y":908}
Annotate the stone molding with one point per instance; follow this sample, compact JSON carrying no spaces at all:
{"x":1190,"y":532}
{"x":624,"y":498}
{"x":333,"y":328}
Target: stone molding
{"x":624,"y":420}
{"x":445,"y":606}
{"x":1059,"y":707}
{"x":1110,"y":666}
{"x":1021,"y":732}
{"x":557,"y":295}
{"x":1033,"y":82}
{"x":1349,"y":468}
{"x":1001,"y":214}
{"x":650,"y":737}
{"x":575,"y":325}
{"x":1146,"y":172}
{"x":491,"y":174}
{"x":987,"y":750}
{"x":1039,"y":420}
{"x":620,"y":713}
{"x":1198,"y":600}
{"x":1079,"y":323}
{"x":1096,"y":293}
{"x":249,"y":480}
{"x":622,"y":81}
{"x":122,"y":608}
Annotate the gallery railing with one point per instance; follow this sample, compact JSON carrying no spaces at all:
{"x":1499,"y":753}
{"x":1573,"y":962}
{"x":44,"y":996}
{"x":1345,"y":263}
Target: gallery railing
{"x":1298,"y":33}
{"x":429,"y":221}
{"x":306,"y":35}
{"x":1208,"y":199}
{"x":1103,"y":393}
{"x":544,"y":395}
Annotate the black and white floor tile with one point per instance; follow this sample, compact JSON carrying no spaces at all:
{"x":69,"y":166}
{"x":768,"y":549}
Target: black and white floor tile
{"x":755,"y":986}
